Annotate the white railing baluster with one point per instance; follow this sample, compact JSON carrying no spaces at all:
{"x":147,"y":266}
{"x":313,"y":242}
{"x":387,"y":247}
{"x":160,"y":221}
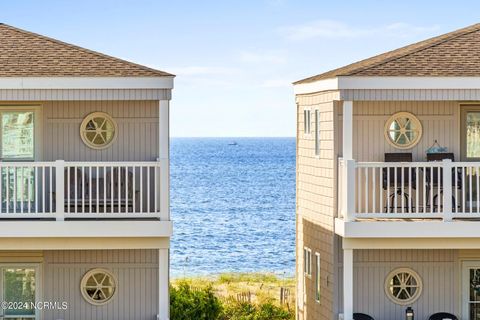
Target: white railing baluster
{"x":119,"y":185}
{"x":463,"y":189}
{"x":68,"y":189}
{"x":59,"y":189}
{"x":389,"y":198}
{"x":97,"y":191}
{"x":447,"y":189}
{"x":374,"y":190}
{"x":380,"y":195}
{"x":477,"y":186}
{"x":8,"y":189}
{"x":104,"y":189}
{"x":134,"y":195}
{"x":470,"y":189}
{"x":141,"y":189}
{"x":126,"y":189}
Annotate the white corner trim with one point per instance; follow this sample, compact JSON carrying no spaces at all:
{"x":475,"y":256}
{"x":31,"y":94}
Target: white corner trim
{"x":86,"y":82}
{"x":388,"y":83}
{"x":317,"y":86}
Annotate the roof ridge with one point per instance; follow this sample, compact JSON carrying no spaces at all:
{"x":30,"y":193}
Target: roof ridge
{"x":440,"y":39}
{"x":85,"y":50}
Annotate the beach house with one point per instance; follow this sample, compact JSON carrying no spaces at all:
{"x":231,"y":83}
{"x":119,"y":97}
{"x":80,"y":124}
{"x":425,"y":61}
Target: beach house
{"x":388,"y":184}
{"x":84,"y":183}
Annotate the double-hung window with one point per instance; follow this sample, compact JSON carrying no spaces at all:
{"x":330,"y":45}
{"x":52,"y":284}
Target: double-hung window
{"x":306,"y":119}
{"x":317,"y":277}
{"x":317,"y":132}
{"x":307,"y":260}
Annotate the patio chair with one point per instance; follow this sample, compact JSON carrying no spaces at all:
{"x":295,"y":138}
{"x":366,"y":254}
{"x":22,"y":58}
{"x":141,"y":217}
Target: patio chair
{"x":122,"y":188}
{"x":75,"y":189}
{"x":397,"y":180}
{"x":443,"y":316}
{"x":434,"y":178}
{"x":361,"y":316}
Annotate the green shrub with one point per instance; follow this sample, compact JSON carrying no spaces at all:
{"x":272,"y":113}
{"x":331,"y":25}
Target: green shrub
{"x":247,"y":311}
{"x":189,"y":304}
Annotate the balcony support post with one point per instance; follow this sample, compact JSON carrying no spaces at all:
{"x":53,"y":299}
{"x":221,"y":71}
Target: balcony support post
{"x":164,"y":158}
{"x":163,"y":285}
{"x":447,"y":167}
{"x":348,"y":196}
{"x":59,"y":190}
{"x":347,"y":284}
{"x":347,"y":130}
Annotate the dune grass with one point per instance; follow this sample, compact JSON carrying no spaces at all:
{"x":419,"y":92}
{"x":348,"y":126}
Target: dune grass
{"x":258,"y":287}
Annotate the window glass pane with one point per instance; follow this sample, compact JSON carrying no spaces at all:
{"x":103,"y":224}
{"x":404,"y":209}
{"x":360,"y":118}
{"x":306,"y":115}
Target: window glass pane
{"x":19,"y":286}
{"x":473,"y":134}
{"x":17,"y":135}
{"x":317,"y":277}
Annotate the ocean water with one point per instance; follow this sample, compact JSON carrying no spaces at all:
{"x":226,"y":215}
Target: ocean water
{"x":233,"y":206}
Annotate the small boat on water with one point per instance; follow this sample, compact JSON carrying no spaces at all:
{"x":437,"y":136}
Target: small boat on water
{"x":233,"y":143}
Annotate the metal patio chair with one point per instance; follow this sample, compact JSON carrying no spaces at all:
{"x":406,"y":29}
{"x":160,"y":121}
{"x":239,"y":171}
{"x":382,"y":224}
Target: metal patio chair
{"x":396,"y":180}
{"x":362,"y":316}
{"x":443,"y":316}
{"x":434,"y":179}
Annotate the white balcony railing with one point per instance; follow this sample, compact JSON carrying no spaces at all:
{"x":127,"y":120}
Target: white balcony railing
{"x":390,"y":190}
{"x":62,"y":189}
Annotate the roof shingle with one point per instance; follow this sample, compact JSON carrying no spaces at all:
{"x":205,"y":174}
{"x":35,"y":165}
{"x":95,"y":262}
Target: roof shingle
{"x":26,"y":54}
{"x":455,"y":54}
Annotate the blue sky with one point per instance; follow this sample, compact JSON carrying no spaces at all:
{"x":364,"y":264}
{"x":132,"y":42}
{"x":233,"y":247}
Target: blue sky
{"x":235,"y":60}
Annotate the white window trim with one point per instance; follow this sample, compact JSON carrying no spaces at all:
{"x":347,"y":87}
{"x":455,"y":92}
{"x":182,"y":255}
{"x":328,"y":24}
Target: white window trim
{"x":465,"y":285}
{"x":38,"y":127}
{"x":400,"y":115}
{"x":87,"y":119}
{"x":87,"y":275}
{"x":307,"y":267}
{"x":38,"y":283}
{"x":317,"y":132}
{"x":318,"y":277}
{"x":417,"y":294}
{"x":309,"y":133}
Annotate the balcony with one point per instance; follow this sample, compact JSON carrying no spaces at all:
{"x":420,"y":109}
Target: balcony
{"x":409,"y":200}
{"x":443,"y":190}
{"x":63,"y":190}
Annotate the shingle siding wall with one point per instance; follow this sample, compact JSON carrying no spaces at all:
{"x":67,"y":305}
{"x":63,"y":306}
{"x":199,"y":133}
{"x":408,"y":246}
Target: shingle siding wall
{"x":316,"y":205}
{"x":136,"y":272}
{"x":438,"y":269}
{"x":137,"y":138}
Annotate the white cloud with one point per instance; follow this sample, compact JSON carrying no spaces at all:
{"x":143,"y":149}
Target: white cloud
{"x":338,"y":29}
{"x":262,"y":57}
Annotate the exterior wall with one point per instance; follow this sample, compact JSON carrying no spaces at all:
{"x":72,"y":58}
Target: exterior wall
{"x":316,"y":204}
{"x":440,"y":121}
{"x":439,"y":270}
{"x":136,"y":272}
{"x":137,"y":138}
